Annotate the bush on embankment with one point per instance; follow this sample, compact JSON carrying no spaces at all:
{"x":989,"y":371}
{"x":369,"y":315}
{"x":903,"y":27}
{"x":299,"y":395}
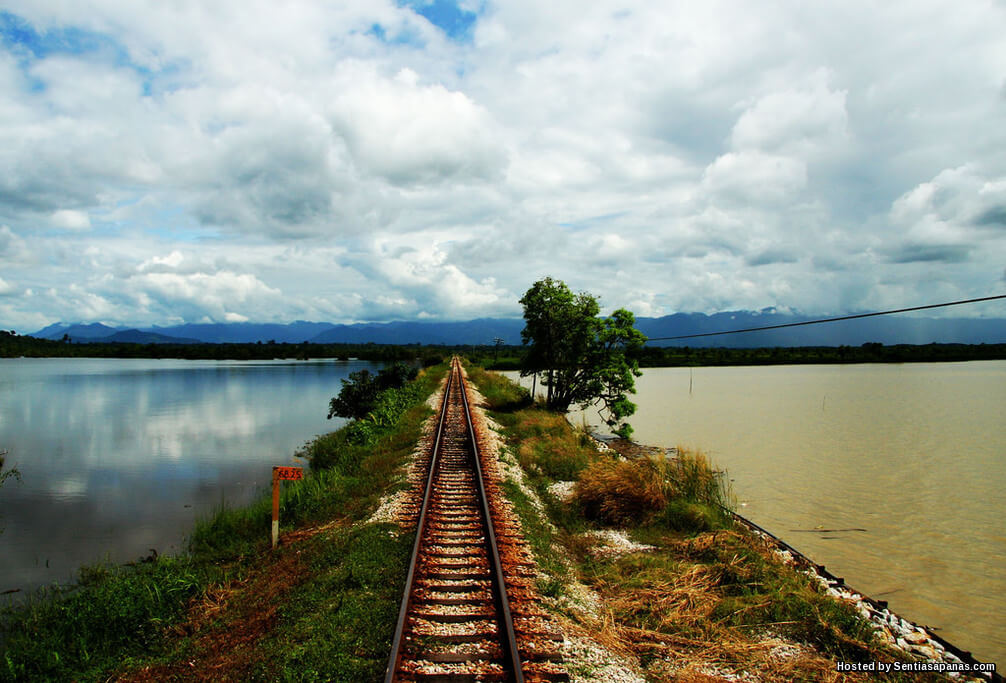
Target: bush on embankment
{"x":114,"y":615}
{"x":683,"y":493}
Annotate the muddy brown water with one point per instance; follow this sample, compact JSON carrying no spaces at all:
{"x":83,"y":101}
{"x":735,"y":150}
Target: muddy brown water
{"x":913,"y":454}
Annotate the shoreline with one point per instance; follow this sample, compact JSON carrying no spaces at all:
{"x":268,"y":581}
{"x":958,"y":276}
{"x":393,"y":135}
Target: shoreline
{"x":914,"y":640}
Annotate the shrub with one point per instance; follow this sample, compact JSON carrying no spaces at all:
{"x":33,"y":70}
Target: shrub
{"x":361,"y":393}
{"x":500,"y":393}
{"x":61,"y":633}
{"x":682,"y":492}
{"x":693,"y":478}
{"x":388,"y":407}
{"x":621,"y":492}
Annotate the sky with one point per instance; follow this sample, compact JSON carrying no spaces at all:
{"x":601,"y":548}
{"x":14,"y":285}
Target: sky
{"x":248,"y":160}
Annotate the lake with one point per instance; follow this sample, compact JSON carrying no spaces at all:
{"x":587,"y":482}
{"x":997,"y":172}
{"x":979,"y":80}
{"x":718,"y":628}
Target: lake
{"x":915,"y":454}
{"x":120,"y":456}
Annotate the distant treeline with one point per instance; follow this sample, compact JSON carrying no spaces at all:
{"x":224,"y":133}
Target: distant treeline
{"x":501,"y":357}
{"x":867,"y":353}
{"x":654,"y":357}
{"x":14,"y":346}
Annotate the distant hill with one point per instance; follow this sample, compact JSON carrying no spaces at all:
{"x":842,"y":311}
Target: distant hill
{"x":893,"y":329}
{"x":238,"y":333}
{"x":886,"y":330}
{"x":481,"y":331}
{"x":78,"y":332}
{"x":140,"y":337}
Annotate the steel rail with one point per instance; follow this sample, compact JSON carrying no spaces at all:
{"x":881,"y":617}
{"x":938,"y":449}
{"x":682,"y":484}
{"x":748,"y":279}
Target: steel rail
{"x":403,"y":612}
{"x":507,"y":633}
{"x":509,"y":641}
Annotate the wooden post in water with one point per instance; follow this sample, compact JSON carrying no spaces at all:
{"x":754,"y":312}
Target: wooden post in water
{"x":278,"y":475}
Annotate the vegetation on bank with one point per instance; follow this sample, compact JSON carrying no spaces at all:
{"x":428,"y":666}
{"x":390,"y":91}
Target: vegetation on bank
{"x":511,"y":357}
{"x":360,"y":391}
{"x":707,"y":598}
{"x":322,"y":606}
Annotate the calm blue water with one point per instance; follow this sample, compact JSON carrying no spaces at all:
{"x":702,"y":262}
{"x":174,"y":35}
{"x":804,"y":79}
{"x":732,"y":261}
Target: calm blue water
{"x":120,"y":456}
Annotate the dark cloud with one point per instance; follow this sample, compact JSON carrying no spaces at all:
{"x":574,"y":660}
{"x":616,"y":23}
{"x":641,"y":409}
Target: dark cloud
{"x":36,"y":186}
{"x":992,"y":217}
{"x":926,"y":253}
{"x":770,"y":256}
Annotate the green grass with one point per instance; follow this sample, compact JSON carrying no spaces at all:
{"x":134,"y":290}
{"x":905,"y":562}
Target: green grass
{"x":111,"y":614}
{"x":338,"y":625}
{"x":126,"y":614}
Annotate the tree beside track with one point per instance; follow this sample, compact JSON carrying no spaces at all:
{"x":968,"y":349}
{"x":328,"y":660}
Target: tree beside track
{"x":582,"y":358}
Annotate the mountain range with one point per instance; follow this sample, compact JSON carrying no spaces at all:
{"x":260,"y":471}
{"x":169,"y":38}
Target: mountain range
{"x":483,"y":331}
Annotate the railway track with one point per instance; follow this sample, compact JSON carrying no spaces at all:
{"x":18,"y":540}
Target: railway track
{"x":468,"y":611}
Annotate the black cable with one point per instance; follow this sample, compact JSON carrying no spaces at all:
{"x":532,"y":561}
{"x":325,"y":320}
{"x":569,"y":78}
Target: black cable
{"x":830,"y":320}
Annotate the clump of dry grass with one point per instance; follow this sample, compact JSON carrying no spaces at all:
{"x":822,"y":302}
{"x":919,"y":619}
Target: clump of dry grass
{"x":721,"y":604}
{"x":685,"y":491}
{"x":622,"y":492}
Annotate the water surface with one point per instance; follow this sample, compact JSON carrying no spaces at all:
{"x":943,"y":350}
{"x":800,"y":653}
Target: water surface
{"x":120,"y":456}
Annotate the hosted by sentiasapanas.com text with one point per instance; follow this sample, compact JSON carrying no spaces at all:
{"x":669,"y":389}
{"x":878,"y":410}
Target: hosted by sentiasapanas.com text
{"x":940,"y":667}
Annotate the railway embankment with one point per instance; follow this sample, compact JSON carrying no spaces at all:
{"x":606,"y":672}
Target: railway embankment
{"x":918,"y":641}
{"x":636,"y":563}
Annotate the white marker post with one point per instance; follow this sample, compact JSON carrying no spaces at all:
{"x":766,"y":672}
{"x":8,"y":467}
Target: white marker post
{"x":278,"y":475}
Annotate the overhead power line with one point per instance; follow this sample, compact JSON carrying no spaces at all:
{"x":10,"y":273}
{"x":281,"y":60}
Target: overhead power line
{"x":830,"y":320}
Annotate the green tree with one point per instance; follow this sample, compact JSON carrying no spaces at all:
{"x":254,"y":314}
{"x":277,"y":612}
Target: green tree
{"x":582,"y":359}
{"x":360,"y":392}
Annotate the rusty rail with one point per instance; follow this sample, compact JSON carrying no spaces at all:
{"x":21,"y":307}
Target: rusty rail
{"x":455,"y":621}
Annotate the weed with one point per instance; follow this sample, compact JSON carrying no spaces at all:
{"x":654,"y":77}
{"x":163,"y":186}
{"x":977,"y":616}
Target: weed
{"x":501,"y":394}
{"x":684,"y":515}
{"x":63,"y":633}
{"x":621,"y":492}
{"x":340,"y":623}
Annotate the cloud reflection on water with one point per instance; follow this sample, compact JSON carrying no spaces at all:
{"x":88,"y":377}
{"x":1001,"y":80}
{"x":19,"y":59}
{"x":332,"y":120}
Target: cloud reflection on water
{"x":120,"y":456}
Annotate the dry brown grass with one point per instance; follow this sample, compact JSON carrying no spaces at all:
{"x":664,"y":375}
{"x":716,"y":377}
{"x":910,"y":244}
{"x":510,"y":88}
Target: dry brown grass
{"x":685,"y":605}
{"x":622,"y":492}
{"x":666,"y":608}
